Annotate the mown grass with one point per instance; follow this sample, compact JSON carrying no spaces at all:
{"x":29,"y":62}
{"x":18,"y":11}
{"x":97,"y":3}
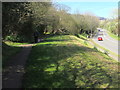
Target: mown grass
{"x":105,"y":50}
{"x":65,"y":61}
{"x":14,"y":43}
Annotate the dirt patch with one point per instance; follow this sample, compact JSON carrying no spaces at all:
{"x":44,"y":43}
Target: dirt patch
{"x":12,"y":75}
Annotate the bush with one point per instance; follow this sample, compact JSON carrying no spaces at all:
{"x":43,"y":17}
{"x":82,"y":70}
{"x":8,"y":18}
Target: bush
{"x":11,"y":38}
{"x":18,"y":39}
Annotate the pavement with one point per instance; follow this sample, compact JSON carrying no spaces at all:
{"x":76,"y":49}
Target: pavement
{"x":108,"y":42}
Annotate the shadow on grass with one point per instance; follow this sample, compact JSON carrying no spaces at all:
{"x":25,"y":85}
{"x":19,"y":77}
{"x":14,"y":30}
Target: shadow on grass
{"x":54,"y":66}
{"x":8,"y":52}
{"x":80,"y":37}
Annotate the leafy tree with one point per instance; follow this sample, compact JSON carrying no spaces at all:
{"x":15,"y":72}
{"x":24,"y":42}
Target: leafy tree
{"x":112,"y":24}
{"x":92,"y":22}
{"x":21,"y":19}
{"x":15,"y":16}
{"x":86,"y":23}
{"x":40,"y":16}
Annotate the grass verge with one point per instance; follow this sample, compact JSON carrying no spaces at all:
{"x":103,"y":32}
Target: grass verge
{"x":14,"y":43}
{"x":105,"y":49}
{"x":113,"y":36}
{"x":66,"y":61}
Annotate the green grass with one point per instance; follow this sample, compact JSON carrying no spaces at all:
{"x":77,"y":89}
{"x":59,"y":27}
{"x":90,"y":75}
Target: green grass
{"x":106,"y":50}
{"x":65,"y":61}
{"x":14,"y":43}
{"x":113,"y":36}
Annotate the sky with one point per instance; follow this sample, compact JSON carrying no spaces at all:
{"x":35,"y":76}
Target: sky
{"x":101,"y":9}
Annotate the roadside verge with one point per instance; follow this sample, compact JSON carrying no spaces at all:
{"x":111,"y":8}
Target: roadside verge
{"x":104,"y":50}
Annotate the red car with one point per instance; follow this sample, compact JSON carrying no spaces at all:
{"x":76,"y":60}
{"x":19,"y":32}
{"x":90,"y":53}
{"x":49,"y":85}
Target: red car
{"x":100,"y":39}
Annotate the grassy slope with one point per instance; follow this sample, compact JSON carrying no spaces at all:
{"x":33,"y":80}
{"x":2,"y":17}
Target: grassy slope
{"x":14,"y":43}
{"x":113,"y":36}
{"x":69,"y":62}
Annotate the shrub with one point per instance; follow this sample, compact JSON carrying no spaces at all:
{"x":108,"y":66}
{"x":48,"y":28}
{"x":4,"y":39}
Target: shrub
{"x":11,"y":38}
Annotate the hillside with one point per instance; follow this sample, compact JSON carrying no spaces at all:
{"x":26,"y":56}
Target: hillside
{"x":66,"y":61}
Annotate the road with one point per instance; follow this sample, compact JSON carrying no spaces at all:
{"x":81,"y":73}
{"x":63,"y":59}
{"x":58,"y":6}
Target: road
{"x":108,"y":42}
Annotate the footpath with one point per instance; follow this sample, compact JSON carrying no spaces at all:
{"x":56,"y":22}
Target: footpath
{"x":12,"y":75}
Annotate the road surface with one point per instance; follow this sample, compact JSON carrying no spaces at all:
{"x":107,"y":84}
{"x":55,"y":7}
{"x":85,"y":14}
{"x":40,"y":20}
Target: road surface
{"x":108,"y":42}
